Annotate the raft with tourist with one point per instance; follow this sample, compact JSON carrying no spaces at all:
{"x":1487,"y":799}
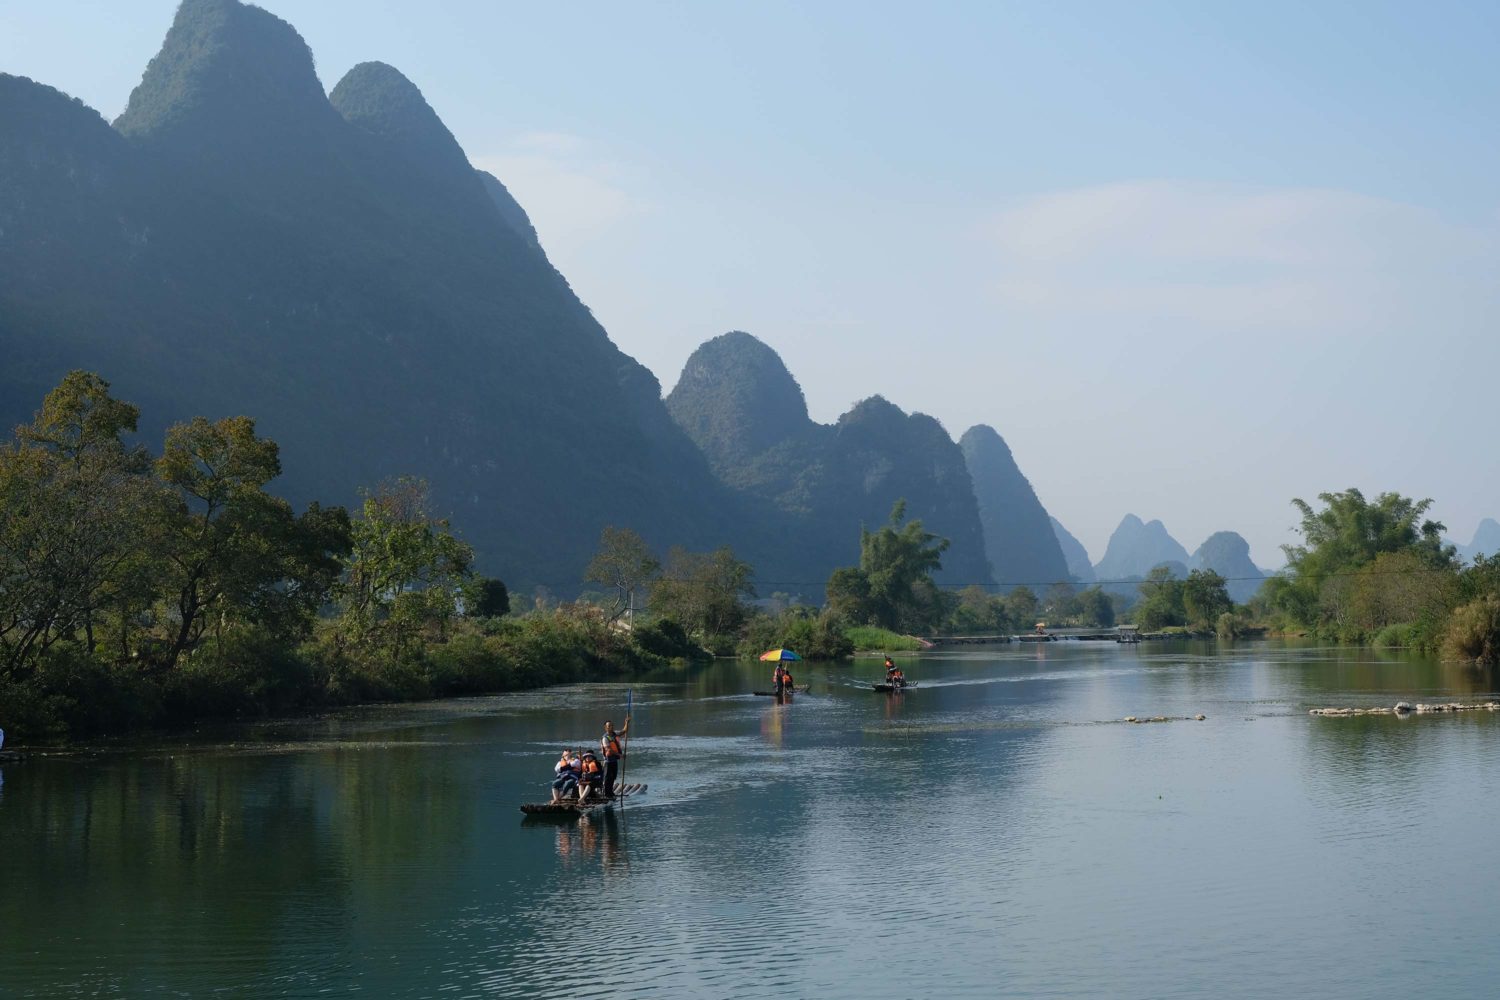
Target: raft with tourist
{"x":783,"y":685}
{"x":895,"y":679}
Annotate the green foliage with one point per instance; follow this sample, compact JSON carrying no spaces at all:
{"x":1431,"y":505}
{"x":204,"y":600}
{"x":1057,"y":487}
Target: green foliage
{"x":1161,"y":604}
{"x":704,"y":592}
{"x":234,"y":555}
{"x":1473,"y":632}
{"x":1205,"y":598}
{"x":1400,"y":635}
{"x":893,"y":586}
{"x":978,"y":611}
{"x":625,"y":564}
{"x":1347,"y":535}
{"x":485,"y":597}
{"x":1196,"y":604}
{"x":667,"y":639}
{"x":68,"y":538}
{"x":868,"y":638}
{"x":405,"y":570}
{"x":811,"y":636}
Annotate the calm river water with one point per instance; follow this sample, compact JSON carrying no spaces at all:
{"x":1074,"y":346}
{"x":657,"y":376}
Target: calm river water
{"x":995,"y":832}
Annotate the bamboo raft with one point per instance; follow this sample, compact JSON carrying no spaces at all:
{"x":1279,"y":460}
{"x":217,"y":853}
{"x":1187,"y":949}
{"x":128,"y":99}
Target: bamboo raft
{"x":892,"y":688}
{"x":799,"y":689}
{"x":572,"y":807}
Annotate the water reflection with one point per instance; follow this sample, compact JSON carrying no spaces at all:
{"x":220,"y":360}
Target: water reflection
{"x":995,"y":825}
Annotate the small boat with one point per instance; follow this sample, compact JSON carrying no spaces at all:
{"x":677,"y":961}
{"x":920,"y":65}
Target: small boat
{"x":572,"y":807}
{"x":1031,"y":637}
{"x":893,"y":688}
{"x":799,"y":689}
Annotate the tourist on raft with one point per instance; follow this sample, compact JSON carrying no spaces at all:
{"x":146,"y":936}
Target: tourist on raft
{"x":590,"y":775}
{"x":890,"y":668}
{"x":612,"y":750}
{"x":782,"y":678}
{"x":567,"y":770}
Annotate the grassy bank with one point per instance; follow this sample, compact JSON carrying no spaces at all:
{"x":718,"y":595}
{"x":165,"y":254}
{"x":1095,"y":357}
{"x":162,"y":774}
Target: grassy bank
{"x":75,"y":696}
{"x":868,"y":639}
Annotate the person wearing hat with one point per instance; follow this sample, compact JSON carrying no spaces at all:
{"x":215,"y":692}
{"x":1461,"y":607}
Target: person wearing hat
{"x":566,"y":781}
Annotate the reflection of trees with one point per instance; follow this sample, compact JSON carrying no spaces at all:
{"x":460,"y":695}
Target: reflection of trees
{"x":148,"y":870}
{"x":183,"y":853}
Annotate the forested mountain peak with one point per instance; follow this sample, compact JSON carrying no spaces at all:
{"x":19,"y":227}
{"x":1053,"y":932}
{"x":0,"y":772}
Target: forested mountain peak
{"x":228,"y":77}
{"x":736,"y":398}
{"x":378,"y":99}
{"x":28,"y":108}
{"x":1018,"y":535}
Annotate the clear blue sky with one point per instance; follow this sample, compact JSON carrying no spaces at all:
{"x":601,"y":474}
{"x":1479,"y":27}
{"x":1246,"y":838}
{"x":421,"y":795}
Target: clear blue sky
{"x":1190,"y":259}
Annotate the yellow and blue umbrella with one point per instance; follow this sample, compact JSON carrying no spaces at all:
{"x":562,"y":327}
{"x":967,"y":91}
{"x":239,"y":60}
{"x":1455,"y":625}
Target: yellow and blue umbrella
{"x":779,"y":654}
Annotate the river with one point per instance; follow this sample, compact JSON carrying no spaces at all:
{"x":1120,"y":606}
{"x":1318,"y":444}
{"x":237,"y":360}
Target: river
{"x":997,"y":831}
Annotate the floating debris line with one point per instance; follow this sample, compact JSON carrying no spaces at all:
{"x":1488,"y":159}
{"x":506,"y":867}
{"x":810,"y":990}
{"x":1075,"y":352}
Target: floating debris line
{"x":1407,"y":708}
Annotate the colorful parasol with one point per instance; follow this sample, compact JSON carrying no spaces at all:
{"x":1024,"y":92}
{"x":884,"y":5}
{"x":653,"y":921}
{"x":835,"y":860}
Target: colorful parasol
{"x":779,"y":654}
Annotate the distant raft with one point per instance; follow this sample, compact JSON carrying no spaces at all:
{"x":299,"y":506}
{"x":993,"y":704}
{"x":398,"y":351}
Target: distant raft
{"x":572,"y":807}
{"x":893,"y":688}
{"x":799,"y":689}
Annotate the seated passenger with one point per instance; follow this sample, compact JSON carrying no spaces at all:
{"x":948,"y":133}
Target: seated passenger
{"x":590,"y":776}
{"x":566,"y":781}
{"x":898,"y":679}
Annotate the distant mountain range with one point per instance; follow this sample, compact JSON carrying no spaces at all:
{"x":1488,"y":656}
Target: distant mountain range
{"x":1135,"y":547}
{"x":238,"y":241}
{"x":1079,"y":566}
{"x":1486,"y":541}
{"x":1018,"y":535}
{"x":738,"y":402}
{"x":1228,"y":555}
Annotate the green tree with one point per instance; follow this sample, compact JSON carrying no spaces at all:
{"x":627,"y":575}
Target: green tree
{"x":1161,"y":603}
{"x":1347,"y":533}
{"x":486,"y":597}
{"x":893,"y":587}
{"x":231,"y":553}
{"x":625,"y":564}
{"x":71,"y":497}
{"x":704,"y":592}
{"x":405,"y":569}
{"x":1205,"y":596}
{"x":1021,"y":607}
{"x":1095,"y":608}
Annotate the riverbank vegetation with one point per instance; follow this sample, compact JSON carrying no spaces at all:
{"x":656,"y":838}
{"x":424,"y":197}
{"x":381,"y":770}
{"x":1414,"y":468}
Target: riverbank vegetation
{"x":1377,"y":571}
{"x":141,"y":591}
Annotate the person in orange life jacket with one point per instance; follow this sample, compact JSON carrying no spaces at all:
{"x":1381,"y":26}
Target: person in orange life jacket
{"x":590,"y":774}
{"x":890,"y":667}
{"x":567,"y":770}
{"x":612,"y":750}
{"x":897,"y":678}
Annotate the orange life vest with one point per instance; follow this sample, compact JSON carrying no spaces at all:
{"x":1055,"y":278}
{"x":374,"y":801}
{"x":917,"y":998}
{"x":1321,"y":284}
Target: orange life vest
{"x":590,"y":767}
{"x":611,"y":745}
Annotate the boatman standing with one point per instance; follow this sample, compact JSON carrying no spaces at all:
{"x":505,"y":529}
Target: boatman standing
{"x":612,"y":751}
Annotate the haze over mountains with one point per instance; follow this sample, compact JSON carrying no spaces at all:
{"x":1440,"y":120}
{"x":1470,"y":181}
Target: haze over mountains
{"x":741,"y":406}
{"x":332,"y":265}
{"x":1486,"y":541}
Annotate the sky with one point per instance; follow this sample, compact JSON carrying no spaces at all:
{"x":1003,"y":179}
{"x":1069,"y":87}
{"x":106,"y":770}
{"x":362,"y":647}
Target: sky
{"x":1190,"y":259}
